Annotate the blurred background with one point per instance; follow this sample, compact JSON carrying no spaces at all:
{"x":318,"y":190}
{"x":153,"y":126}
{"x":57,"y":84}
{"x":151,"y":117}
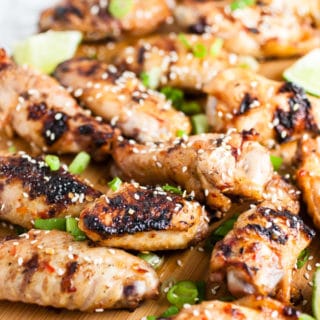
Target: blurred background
{"x":18,"y":19}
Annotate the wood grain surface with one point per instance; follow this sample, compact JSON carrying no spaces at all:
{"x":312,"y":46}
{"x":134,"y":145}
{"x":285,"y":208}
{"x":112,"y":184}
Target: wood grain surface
{"x":190,"y":264}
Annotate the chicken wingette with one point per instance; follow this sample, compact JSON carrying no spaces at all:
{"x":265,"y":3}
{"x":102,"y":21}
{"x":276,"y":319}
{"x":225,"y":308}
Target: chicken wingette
{"x":268,"y":28}
{"x":213,"y":167}
{"x":30,"y":190}
{"x":121,"y":98}
{"x":178,"y":60}
{"x":49,"y":268}
{"x":278,"y":111}
{"x":249,"y":308}
{"x":308,"y":176}
{"x":45,"y":115}
{"x":258,"y":255}
{"x":102,"y":19}
{"x":144,"y":218}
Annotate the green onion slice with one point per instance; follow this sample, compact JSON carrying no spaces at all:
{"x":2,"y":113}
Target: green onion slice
{"x":171,"y":311}
{"x":73,"y":228}
{"x":216,"y":47}
{"x":154,"y":260}
{"x":151,"y":79}
{"x":276,"y":162}
{"x":183,"y":39}
{"x":175,"y":95}
{"x":304,"y":316}
{"x":172,"y":189}
{"x":241,"y":4}
{"x":50,"y":224}
{"x":152,"y":317}
{"x":120,"y":8}
{"x":201,"y":286}
{"x":181,"y":133}
{"x":199,"y":123}
{"x":199,"y":50}
{"x":52,"y":161}
{"x":303,"y":258}
{"x":183,"y":292}
{"x":190,"y":108}
{"x":12,"y":149}
{"x":79,"y":163}
{"x":115,"y":184}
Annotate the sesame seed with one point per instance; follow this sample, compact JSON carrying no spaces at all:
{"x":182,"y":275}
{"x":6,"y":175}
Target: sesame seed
{"x":20,"y":261}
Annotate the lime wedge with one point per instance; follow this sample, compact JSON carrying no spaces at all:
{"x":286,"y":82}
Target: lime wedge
{"x":316,"y":294}
{"x":45,"y":51}
{"x":305,"y":72}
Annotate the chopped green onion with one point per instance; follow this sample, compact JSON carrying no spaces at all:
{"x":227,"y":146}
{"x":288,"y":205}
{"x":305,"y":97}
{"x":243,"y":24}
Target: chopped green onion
{"x":190,"y":108}
{"x":201,"y":286}
{"x":50,"y":224}
{"x":199,"y":50}
{"x":302,"y":258}
{"x":12,"y":149}
{"x":52,"y":161}
{"x":227,"y":298}
{"x":276,"y":162}
{"x":20,"y":230}
{"x":115,"y":184}
{"x":183,"y":292}
{"x":175,"y":95}
{"x":199,"y":123}
{"x":172,"y":189}
{"x":219,"y":233}
{"x":171,"y":311}
{"x":241,"y":4}
{"x":152,"y":318}
{"x":154,"y":260}
{"x":183,"y":39}
{"x":73,"y":228}
{"x":216,"y":47}
{"x":181,"y":133}
{"x":120,"y":8}
{"x":151,"y":79}
{"x":79,"y":163}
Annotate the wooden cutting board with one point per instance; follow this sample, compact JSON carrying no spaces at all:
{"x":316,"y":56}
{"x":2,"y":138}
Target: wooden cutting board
{"x":180,"y":265}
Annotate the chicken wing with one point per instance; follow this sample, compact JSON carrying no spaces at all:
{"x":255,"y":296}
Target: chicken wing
{"x":99,"y":20}
{"x":30,"y":190}
{"x":145,"y":219}
{"x":258,"y":255}
{"x":44,"y":114}
{"x":249,"y":308}
{"x":121,"y":98}
{"x":211,"y":166}
{"x":49,"y":268}
{"x":268,"y":28}
{"x":278,"y":111}
{"x":308,"y":177}
{"x":178,"y":60}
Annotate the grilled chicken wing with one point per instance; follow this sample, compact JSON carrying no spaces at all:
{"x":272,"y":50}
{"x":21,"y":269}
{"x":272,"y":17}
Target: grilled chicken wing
{"x":212,"y":166}
{"x":258,"y":255}
{"x":95,"y":19}
{"x":30,"y":190}
{"x":119,"y":97}
{"x":43,"y":113}
{"x":270,"y":28}
{"x":308,"y":176}
{"x":49,"y":268}
{"x":144,"y":218}
{"x":249,"y":308}
{"x":278,"y":111}
{"x":186,"y":61}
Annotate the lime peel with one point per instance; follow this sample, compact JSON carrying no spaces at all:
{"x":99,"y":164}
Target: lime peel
{"x":305,"y":72}
{"x":44,"y":51}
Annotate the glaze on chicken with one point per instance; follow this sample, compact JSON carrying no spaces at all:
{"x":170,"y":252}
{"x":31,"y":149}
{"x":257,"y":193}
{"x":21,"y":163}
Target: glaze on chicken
{"x":49,"y":268}
{"x":121,"y":98}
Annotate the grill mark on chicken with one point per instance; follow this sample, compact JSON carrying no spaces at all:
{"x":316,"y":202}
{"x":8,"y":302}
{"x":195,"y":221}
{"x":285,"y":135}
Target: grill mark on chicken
{"x":245,"y":103}
{"x":65,"y":13}
{"x":199,"y":27}
{"x":66,"y":281}
{"x":30,"y":267}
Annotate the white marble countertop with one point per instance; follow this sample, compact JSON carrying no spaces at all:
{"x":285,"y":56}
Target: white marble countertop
{"x":18,"y":19}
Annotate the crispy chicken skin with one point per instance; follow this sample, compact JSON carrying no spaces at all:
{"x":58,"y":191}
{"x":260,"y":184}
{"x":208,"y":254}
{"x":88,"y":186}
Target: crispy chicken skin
{"x":93,"y":19}
{"x":30,"y":190}
{"x":249,"y":308}
{"x":278,"y":111}
{"x":49,"y":268}
{"x":258,"y":255}
{"x":212,"y":166}
{"x":270,"y":28}
{"x":173,"y":59}
{"x":120,"y":97}
{"x":144,"y":218}
{"x":45,"y":114}
{"x":308,"y":176}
